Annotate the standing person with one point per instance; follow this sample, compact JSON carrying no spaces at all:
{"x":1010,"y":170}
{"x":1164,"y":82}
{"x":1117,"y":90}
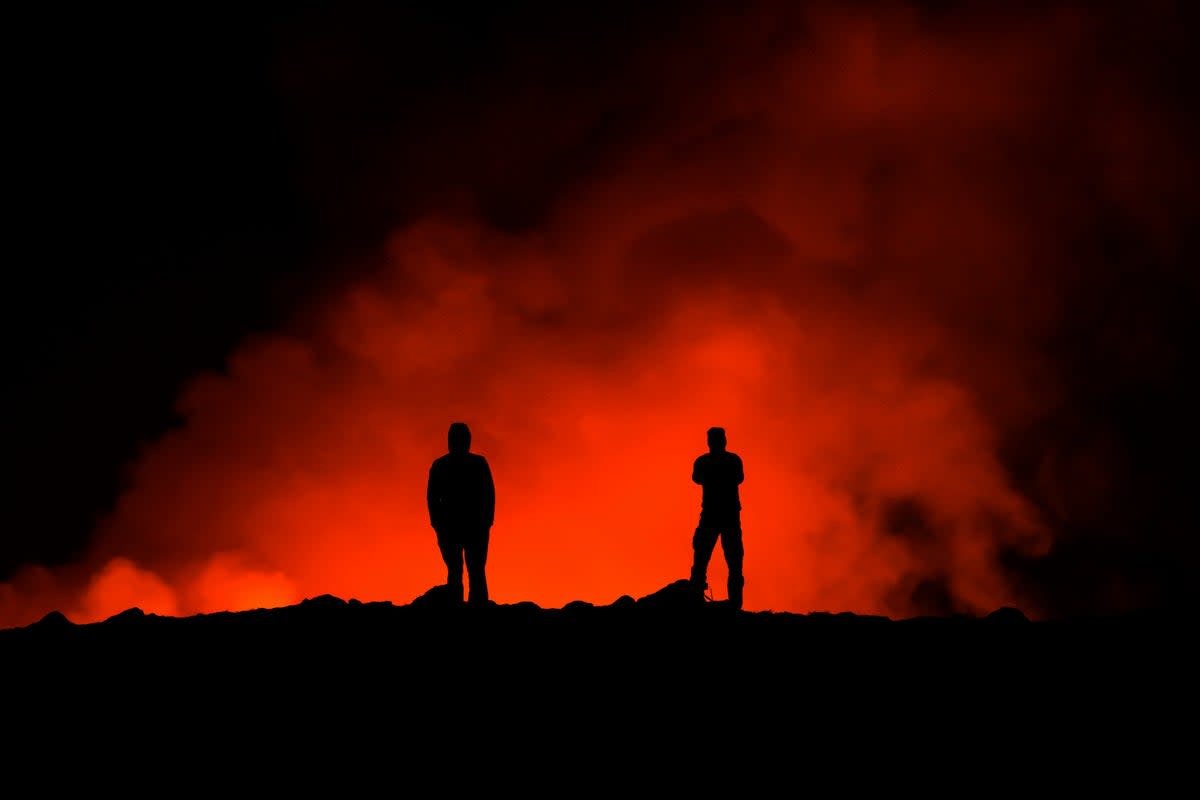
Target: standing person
{"x":461,"y":497}
{"x":720,"y":473}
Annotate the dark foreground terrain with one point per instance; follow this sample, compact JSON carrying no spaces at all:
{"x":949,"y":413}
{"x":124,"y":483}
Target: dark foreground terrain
{"x":674,"y":684}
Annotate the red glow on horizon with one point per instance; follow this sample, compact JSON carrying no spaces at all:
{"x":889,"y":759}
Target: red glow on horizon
{"x":838,"y":258}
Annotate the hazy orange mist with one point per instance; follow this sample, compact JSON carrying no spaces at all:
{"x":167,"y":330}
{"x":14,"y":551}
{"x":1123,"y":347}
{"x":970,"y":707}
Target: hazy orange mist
{"x":302,"y":470}
{"x":833,"y":251}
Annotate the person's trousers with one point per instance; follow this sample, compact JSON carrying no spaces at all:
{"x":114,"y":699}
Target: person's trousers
{"x":726,"y":527}
{"x":468,"y":545}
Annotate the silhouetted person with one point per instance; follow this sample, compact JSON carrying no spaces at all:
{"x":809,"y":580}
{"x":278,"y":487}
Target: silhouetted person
{"x":720,"y":473}
{"x":462,"y":505}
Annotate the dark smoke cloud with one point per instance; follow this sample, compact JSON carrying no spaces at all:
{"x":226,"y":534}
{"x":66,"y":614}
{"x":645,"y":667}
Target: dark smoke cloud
{"x":926,"y":263}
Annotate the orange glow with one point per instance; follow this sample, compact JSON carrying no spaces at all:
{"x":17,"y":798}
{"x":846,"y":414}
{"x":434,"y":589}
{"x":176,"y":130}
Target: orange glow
{"x":843,"y":255}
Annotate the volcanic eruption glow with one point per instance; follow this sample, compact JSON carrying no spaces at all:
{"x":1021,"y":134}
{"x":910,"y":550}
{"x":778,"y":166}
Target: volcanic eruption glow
{"x":844,"y":245}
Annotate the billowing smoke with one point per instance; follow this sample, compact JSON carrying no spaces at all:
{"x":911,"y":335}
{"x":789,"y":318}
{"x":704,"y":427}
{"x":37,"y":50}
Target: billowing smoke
{"x":849,"y":236}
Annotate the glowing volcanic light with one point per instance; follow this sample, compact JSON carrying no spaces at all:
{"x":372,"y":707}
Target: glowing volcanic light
{"x":302,"y":470}
{"x":844,"y":255}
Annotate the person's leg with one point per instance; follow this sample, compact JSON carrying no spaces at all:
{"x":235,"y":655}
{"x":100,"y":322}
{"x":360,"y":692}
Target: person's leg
{"x":476,"y":554}
{"x":731,"y":546}
{"x":703,"y":542}
{"x":451,"y":549}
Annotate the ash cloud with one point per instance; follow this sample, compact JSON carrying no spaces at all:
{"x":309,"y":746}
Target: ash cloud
{"x":874,"y":241}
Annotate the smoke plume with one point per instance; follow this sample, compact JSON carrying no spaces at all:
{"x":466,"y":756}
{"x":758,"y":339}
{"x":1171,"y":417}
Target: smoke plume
{"x":851,"y":235}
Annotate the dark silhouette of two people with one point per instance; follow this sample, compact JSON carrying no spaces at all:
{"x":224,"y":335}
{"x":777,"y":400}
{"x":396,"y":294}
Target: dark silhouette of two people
{"x":462,"y":507}
{"x":719,"y":472}
{"x":461,"y":496}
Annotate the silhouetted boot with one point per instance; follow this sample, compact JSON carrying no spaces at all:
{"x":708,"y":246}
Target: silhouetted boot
{"x":736,"y":582}
{"x":477,"y":595}
{"x":699,"y":581}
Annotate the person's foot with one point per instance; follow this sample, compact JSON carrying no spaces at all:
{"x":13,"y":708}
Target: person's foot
{"x":736,"y":582}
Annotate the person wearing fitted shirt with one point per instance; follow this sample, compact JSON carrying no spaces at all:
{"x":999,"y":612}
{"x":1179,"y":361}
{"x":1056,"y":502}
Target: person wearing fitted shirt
{"x":719,"y":472}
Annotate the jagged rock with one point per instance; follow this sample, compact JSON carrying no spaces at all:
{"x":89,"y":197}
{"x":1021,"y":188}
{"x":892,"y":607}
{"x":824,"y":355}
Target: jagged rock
{"x":526,"y":606}
{"x":677,"y":595}
{"x":440,"y":596}
{"x":576,"y":605}
{"x":1008,"y":615}
{"x":127,"y":616}
{"x":326,"y":601}
{"x":55,"y":620}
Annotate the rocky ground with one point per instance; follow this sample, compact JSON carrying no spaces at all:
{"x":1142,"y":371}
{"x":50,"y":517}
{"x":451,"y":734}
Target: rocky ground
{"x":668,"y":681}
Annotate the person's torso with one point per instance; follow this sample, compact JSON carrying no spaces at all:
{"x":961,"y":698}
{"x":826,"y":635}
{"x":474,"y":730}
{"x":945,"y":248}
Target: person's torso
{"x":720,"y":475}
{"x":462,"y":487}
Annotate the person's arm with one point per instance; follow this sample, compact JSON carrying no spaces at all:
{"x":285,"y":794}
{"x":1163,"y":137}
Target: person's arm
{"x":698,"y":471}
{"x":489,"y":495}
{"x":739,"y":473}
{"x":432,"y":490}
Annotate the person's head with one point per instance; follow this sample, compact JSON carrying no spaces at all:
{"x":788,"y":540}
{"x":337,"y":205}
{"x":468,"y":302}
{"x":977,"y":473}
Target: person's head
{"x":459,"y":437}
{"x":716,"y":439}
